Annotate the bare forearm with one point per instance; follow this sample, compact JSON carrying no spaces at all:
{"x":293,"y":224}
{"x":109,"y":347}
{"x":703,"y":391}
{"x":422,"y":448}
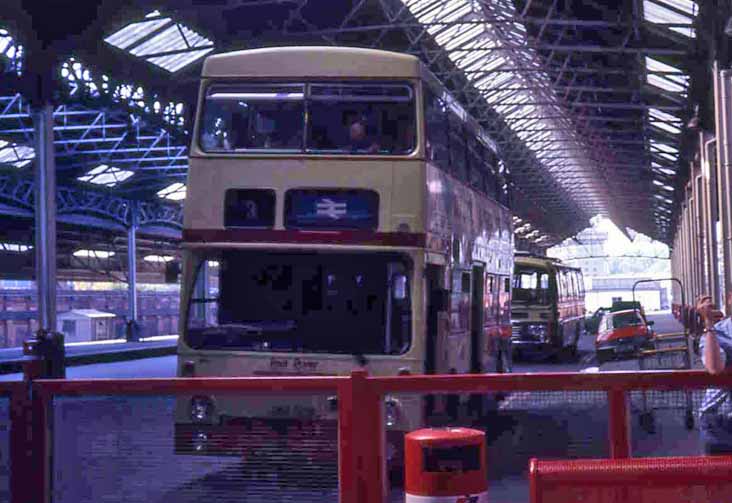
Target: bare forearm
{"x":712,"y":359}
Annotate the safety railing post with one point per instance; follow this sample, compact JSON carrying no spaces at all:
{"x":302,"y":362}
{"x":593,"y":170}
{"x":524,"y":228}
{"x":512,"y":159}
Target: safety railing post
{"x":346,"y":467}
{"x":619,"y":423}
{"x":40,"y":474}
{"x":20,"y":446}
{"x":361,"y":430}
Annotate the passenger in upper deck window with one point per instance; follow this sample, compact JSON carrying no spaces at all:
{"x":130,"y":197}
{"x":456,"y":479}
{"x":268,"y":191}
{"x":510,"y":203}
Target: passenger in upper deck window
{"x":359,"y":140}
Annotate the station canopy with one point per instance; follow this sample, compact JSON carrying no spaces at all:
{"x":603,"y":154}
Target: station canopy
{"x":586,"y":100}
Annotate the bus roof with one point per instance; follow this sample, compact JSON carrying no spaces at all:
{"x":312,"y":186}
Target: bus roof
{"x":310,"y":62}
{"x":539,"y":261}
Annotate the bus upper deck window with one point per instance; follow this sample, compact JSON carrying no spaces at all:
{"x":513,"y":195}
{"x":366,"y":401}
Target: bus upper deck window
{"x":360,"y":118}
{"x":253,"y":117}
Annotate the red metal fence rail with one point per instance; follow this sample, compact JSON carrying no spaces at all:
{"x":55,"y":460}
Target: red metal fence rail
{"x":702,"y":479}
{"x":360,"y":397}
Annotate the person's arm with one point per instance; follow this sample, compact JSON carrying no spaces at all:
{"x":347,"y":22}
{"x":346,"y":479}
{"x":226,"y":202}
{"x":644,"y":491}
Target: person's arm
{"x":713,"y":357}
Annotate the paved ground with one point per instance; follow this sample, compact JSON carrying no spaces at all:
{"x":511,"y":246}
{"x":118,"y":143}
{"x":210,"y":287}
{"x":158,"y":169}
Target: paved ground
{"x":121,"y":449}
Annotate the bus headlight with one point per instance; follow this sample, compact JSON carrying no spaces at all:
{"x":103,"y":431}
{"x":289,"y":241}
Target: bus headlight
{"x":391,"y":412}
{"x":538,"y":331}
{"x":200,"y":440}
{"x":202,"y":409}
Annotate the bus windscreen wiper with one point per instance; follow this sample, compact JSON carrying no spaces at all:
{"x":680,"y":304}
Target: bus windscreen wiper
{"x":252,"y":328}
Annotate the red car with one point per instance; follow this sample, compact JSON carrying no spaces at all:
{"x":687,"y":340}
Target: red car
{"x":622,"y":333}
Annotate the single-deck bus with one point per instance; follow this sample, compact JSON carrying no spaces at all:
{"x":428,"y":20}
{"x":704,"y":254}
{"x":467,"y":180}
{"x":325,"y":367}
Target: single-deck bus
{"x":548,"y":306}
{"x":342,"y":211}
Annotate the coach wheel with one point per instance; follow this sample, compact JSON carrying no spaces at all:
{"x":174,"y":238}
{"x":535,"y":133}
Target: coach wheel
{"x":689,"y":420}
{"x":504,"y":365}
{"x":647,"y":422}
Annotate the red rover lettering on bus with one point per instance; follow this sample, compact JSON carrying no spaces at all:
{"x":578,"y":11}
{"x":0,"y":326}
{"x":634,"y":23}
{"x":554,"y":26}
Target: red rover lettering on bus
{"x":298,"y":364}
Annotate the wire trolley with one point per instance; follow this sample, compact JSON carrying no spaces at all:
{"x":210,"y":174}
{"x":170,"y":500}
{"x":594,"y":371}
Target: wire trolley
{"x":670,"y":351}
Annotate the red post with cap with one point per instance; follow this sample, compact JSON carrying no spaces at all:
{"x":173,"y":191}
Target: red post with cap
{"x":445,"y":465}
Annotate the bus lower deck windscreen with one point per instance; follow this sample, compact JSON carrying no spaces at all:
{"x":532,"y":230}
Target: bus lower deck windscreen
{"x":347,"y":303}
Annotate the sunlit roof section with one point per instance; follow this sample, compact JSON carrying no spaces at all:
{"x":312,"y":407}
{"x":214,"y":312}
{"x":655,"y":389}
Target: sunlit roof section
{"x":14,"y":247}
{"x":108,"y":176}
{"x":11,"y":51}
{"x":174,"y":192}
{"x":18,"y":156}
{"x":158,"y":259}
{"x":161,"y":41}
{"x":673,"y":13}
{"x":663,"y":120}
{"x":492,"y":56}
{"x":99,"y":254}
{"x":667,"y":77}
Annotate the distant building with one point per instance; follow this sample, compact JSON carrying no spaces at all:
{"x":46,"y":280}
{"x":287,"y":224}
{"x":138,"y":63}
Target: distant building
{"x":602,"y":291}
{"x":586,"y":251}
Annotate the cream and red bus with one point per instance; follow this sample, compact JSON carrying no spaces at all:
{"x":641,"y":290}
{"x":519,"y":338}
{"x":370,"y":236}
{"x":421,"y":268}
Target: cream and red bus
{"x":342,"y":212}
{"x":548,"y":309}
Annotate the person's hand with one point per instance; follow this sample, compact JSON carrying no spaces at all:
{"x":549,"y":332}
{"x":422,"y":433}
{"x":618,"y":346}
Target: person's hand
{"x":706,"y":309}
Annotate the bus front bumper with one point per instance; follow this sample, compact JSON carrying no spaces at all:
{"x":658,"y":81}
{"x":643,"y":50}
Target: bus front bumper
{"x":274,"y":441}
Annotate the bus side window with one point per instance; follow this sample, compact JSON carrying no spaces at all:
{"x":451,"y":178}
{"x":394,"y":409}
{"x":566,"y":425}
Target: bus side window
{"x":436,"y":129}
{"x":458,"y":148}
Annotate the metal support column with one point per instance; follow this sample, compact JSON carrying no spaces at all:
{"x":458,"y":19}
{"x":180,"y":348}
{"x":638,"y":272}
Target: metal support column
{"x":722,"y":104}
{"x":45,"y":218}
{"x":133,"y":333}
{"x":709,"y":175}
{"x":47,"y":348}
{"x":700,"y":271}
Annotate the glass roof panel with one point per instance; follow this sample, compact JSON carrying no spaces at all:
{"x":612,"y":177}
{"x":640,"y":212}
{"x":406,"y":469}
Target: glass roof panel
{"x":687,"y":6}
{"x":660,"y":14}
{"x":131,"y":33}
{"x":106,"y":175}
{"x":665,"y":126}
{"x":14,"y":247}
{"x":174,"y":192}
{"x":154,"y":38}
{"x":158,"y":258}
{"x":664,"y":116}
{"x":176,"y":62}
{"x":93,"y":253}
{"x":16,"y":155}
{"x":665,"y":84}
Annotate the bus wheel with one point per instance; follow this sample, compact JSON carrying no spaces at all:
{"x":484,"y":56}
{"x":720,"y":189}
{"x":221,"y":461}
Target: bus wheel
{"x":504,"y":365}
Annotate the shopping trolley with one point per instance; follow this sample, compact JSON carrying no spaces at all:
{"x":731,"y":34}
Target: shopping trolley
{"x":670,"y":351}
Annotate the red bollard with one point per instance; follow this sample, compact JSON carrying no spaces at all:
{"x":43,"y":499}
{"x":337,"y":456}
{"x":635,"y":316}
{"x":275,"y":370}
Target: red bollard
{"x":445,"y":465}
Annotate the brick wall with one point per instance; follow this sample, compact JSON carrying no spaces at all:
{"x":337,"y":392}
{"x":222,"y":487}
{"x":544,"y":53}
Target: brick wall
{"x":157,"y":311}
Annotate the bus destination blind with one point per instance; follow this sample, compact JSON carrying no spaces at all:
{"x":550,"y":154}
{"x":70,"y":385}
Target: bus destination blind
{"x":332,"y":209}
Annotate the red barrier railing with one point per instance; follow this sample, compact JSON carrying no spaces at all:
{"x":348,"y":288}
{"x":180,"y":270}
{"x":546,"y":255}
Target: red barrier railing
{"x":639,"y":480}
{"x":360,"y":397}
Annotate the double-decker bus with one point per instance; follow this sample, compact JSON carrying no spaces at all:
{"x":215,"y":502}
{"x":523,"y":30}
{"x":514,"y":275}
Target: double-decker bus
{"x":548,"y":306}
{"x":342,"y":212}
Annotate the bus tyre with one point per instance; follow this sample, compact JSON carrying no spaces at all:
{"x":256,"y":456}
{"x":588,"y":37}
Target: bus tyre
{"x":504,"y":365}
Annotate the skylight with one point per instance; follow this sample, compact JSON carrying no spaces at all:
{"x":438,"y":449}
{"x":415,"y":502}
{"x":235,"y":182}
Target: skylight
{"x":174,"y":192}
{"x":672,"y":12}
{"x":158,"y":259}
{"x":14,"y":247}
{"x":12,"y":51}
{"x":665,"y":121}
{"x":665,"y":76}
{"x":101,"y":254}
{"x":15,"y":155}
{"x":106,"y":175}
{"x":161,"y":41}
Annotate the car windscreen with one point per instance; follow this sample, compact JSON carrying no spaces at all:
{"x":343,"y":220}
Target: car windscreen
{"x":622,"y":320}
